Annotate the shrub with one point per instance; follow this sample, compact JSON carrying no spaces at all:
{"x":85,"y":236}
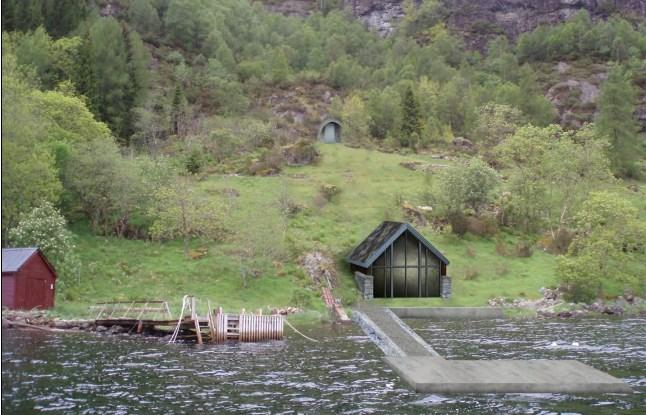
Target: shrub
{"x":302,"y":297}
{"x":482,"y":226}
{"x":194,"y":160}
{"x":501,"y":247}
{"x":559,"y":243}
{"x":467,"y":186}
{"x":44,"y":227}
{"x":523,"y":248}
{"x":300,"y":154}
{"x":579,"y":278}
{"x":470,"y":252}
{"x":471,"y":273}
{"x":501,"y":269}
{"x":288,"y":206}
{"x":458,"y":221}
{"x":329,"y":191}
{"x":269,"y":164}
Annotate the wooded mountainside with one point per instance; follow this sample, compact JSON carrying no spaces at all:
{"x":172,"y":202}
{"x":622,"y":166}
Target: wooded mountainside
{"x":114,"y":111}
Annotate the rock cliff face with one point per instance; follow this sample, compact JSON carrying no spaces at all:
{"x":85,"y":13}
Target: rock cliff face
{"x":477,"y":20}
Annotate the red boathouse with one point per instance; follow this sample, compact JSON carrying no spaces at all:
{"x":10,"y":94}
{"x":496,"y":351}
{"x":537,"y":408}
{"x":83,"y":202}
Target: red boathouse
{"x":28,"y":279}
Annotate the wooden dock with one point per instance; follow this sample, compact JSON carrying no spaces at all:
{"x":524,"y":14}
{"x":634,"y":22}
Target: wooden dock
{"x":219,"y":327}
{"x":214,"y":326}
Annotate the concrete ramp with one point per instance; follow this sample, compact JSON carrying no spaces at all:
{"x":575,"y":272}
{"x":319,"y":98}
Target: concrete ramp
{"x":436,"y":375}
{"x":426,"y":371}
{"x":391,"y":334}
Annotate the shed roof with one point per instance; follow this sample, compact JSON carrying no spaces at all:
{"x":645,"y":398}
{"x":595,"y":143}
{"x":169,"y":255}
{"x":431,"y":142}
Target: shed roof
{"x":378,"y":241}
{"x":14,"y":258}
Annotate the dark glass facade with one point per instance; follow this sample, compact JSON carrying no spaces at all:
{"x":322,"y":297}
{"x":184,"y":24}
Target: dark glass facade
{"x":406,"y":269}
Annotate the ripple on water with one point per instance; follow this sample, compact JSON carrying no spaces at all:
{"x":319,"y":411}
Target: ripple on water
{"x":343,"y":373}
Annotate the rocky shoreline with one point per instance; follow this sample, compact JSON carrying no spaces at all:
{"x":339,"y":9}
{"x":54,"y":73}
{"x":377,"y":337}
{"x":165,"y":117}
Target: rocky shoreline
{"x":552,"y":305}
{"x":42,"y":320}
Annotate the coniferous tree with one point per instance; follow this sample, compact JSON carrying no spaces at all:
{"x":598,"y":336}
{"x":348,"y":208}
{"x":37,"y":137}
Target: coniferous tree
{"x":59,"y":17}
{"x":143,"y":16}
{"x":112,"y":78}
{"x":411,"y":118}
{"x":177,"y":110}
{"x":279,"y":67}
{"x":616,"y":120}
{"x":138,"y":58}
{"x":86,"y":77}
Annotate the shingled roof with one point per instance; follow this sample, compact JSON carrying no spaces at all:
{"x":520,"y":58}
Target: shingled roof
{"x":14,"y":258}
{"x":378,"y":241}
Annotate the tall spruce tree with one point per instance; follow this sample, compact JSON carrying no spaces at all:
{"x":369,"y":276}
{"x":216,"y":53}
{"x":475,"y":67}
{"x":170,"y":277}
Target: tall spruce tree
{"x":616,"y":120}
{"x":411,"y":118}
{"x":111,"y":68}
{"x":86,"y":77}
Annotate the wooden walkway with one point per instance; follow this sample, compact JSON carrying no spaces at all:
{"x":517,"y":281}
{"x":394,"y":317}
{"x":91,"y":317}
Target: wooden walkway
{"x":336,"y":310}
{"x":221,"y":327}
{"x":214,"y":326}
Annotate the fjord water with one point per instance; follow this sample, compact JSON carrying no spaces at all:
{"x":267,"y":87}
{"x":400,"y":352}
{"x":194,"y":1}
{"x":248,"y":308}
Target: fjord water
{"x":343,"y":373}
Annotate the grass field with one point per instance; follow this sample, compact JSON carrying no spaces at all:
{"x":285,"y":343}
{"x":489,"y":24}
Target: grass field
{"x":373,"y":186}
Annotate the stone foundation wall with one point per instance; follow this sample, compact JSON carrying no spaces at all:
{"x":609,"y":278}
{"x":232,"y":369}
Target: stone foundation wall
{"x":445,"y":286}
{"x":365,"y":285}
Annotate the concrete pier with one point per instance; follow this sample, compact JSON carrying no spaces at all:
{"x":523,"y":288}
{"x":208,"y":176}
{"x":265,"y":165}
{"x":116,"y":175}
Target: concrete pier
{"x":436,"y":375}
{"x":392,"y":335}
{"x":449,"y":313}
{"x":426,"y":371}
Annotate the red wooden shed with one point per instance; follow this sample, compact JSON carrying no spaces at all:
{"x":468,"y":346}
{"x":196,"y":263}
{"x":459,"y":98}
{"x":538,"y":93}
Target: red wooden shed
{"x":28,"y":279}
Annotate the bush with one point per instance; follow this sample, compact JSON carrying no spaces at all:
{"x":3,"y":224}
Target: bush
{"x":580,"y":281}
{"x":194,"y":160}
{"x":44,"y":227}
{"x":501,"y":247}
{"x":302,"y":297}
{"x":482,"y":226}
{"x":329,"y":191}
{"x":559,"y":243}
{"x":269,"y":164}
{"x":300,"y":154}
{"x":501,"y":269}
{"x":471,"y":273}
{"x":459,"y":223}
{"x":470,"y":252}
{"x":465,"y":187}
{"x":524,"y":248}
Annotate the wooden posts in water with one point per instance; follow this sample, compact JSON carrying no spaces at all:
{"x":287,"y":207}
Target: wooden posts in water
{"x":244,"y":327}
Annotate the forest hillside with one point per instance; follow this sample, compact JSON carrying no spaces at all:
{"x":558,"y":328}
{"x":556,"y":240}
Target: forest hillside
{"x":154,"y":148}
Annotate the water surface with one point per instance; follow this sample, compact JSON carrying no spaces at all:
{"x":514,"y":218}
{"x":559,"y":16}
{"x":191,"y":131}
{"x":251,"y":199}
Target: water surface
{"x":100,"y":374}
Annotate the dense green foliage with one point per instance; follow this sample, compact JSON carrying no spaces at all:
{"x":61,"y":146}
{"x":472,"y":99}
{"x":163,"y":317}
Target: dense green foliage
{"x":610,"y":237}
{"x":465,"y":188}
{"x":617,"y":122}
{"x":551,"y":170}
{"x":117,"y":116}
{"x":46,"y":228}
{"x":615,"y":39}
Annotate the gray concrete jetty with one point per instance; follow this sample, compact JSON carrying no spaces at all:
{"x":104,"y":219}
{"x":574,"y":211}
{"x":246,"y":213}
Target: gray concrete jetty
{"x":392,"y":335}
{"x":449,"y":313}
{"x":426,"y":371}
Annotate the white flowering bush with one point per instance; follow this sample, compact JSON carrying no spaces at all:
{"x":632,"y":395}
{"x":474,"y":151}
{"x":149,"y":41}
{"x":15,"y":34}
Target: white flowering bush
{"x":45,"y":228}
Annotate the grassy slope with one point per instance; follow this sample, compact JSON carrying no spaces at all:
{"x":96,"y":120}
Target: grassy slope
{"x":373,"y":185}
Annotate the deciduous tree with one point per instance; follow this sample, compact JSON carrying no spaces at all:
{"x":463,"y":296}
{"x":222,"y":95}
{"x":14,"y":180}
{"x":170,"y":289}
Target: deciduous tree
{"x":181,"y":212}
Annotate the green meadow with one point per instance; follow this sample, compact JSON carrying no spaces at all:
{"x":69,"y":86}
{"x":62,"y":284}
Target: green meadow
{"x":372,"y":184}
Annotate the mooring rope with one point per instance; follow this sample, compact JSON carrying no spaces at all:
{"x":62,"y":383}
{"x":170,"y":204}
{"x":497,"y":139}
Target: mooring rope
{"x":294,"y":328}
{"x":179,"y":322}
